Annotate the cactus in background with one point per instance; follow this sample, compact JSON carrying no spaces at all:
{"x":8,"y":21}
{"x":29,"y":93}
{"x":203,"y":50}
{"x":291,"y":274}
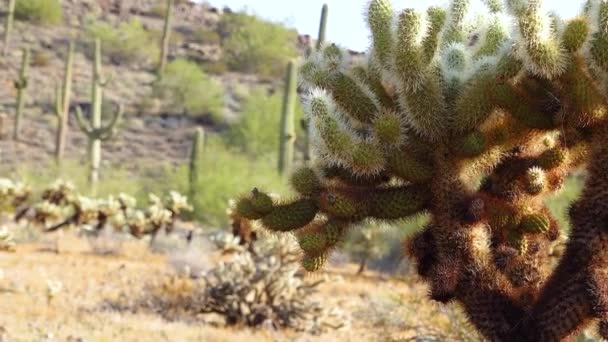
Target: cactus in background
{"x":322,"y":26}
{"x":8,"y":26}
{"x":287,"y":135}
{"x":62,"y":105}
{"x":94,"y":130}
{"x":439,"y":104}
{"x":196,"y":163}
{"x":320,"y":41}
{"x":164,"y":45}
{"x":21,"y":85}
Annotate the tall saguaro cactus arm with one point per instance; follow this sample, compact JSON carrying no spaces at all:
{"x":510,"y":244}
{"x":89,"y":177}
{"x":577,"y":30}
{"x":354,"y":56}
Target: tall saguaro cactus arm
{"x":287,"y":134}
{"x":474,"y":123}
{"x":104,"y":132}
{"x":8,"y":26}
{"x":21,"y":84}
{"x":164,"y":47}
{"x":62,"y":104}
{"x":94,"y":129}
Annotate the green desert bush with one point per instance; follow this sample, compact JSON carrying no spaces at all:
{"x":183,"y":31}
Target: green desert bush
{"x":129,"y":42}
{"x":257,"y":131}
{"x":188,"y":89}
{"x":253,"y":45}
{"x":206,"y":36}
{"x":225,"y":171}
{"x":44,"y":12}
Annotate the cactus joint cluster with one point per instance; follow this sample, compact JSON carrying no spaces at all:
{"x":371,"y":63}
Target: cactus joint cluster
{"x":473,"y":122}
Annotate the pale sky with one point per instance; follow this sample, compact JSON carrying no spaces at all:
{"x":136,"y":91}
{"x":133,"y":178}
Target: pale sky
{"x":345,"y":24}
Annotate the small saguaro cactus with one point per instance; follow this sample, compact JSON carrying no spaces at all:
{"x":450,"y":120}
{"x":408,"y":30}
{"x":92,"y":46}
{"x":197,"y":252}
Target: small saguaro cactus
{"x":322,"y":26}
{"x":94,"y":130}
{"x":21,"y":85}
{"x":287,"y":134}
{"x":474,"y":124}
{"x":196,"y":164}
{"x":62,"y":104}
{"x":164,"y":45}
{"x":8,"y":26}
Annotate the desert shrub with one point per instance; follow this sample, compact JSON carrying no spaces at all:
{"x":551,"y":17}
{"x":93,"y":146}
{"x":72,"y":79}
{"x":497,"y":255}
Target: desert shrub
{"x":129,"y":42}
{"x":44,"y":12}
{"x":253,"y":45}
{"x":206,"y":36}
{"x":253,"y":288}
{"x":215,"y":68}
{"x":41,"y":59}
{"x":257,"y":131}
{"x":186,"y":88}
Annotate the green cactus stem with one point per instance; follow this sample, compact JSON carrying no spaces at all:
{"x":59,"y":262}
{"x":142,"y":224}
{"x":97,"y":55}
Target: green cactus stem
{"x":62,"y":105}
{"x":196,"y":162}
{"x":93,"y":129}
{"x":287,"y":134}
{"x":21,"y":84}
{"x":8,"y":26}
{"x":164,"y":45}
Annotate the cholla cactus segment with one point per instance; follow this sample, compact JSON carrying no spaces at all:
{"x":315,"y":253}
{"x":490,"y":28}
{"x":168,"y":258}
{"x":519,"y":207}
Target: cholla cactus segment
{"x":454,"y":30}
{"x":495,"y":6}
{"x":575,"y":34}
{"x":7,"y":244}
{"x":177,"y":202}
{"x":389,"y":129}
{"x":380,"y":21}
{"x":60,"y":192}
{"x":436,"y":17}
{"x":552,"y":158}
{"x":290,"y":216}
{"x":306,"y":181}
{"x":535,"y":180}
{"x":398,"y":202}
{"x":46,"y":211}
{"x":534,"y":223}
{"x":313,"y":263}
{"x":126,"y":200}
{"x":539,"y":47}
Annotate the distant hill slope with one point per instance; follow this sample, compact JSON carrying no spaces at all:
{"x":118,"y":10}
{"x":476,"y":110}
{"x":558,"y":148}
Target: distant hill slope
{"x":149,"y":132}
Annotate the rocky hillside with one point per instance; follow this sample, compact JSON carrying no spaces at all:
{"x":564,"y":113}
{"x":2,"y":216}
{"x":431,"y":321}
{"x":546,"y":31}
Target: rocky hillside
{"x":149,"y":132}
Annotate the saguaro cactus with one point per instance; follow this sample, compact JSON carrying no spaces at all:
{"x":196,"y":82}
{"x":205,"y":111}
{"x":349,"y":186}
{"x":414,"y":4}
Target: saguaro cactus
{"x":322,"y":26}
{"x":62,"y":104}
{"x":196,"y":163}
{"x":94,"y":130}
{"x":8,"y":26}
{"x":287,"y":134}
{"x":164,"y":46}
{"x":439,"y":104}
{"x":21,"y":85}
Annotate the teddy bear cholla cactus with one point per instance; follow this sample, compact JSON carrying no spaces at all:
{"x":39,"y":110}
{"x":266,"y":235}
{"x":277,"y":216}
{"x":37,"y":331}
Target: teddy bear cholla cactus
{"x":474,"y":123}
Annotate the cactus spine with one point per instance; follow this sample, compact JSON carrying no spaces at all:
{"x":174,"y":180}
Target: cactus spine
{"x":288,"y":135}
{"x":196,"y":162}
{"x":8,"y":26}
{"x":21,"y":85}
{"x":62,"y":105}
{"x":94,"y":130}
{"x":164,"y":46}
